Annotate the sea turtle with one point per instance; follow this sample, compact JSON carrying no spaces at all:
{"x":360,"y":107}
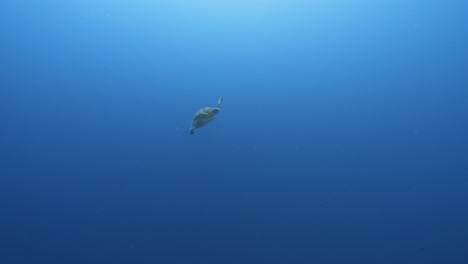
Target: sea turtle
{"x":204,"y":116}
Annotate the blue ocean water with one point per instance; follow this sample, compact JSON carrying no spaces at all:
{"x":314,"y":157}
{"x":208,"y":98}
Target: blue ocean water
{"x":342,"y":137}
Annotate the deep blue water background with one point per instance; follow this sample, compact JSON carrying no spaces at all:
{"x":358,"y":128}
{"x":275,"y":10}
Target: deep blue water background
{"x":342,"y":137}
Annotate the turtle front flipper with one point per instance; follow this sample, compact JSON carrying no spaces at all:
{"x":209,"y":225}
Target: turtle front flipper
{"x":199,"y":120}
{"x":219,"y":102}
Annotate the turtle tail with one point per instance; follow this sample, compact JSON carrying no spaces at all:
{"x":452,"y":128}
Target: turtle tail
{"x":219,"y":102}
{"x":192,"y":131}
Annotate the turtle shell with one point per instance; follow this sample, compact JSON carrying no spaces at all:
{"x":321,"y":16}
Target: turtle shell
{"x":203,"y":117}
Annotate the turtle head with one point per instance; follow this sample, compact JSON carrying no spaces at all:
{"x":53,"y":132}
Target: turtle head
{"x":215,"y":110}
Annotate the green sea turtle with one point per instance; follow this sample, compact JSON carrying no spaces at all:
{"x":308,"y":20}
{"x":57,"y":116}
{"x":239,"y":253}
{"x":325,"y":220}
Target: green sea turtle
{"x":204,"y":116}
